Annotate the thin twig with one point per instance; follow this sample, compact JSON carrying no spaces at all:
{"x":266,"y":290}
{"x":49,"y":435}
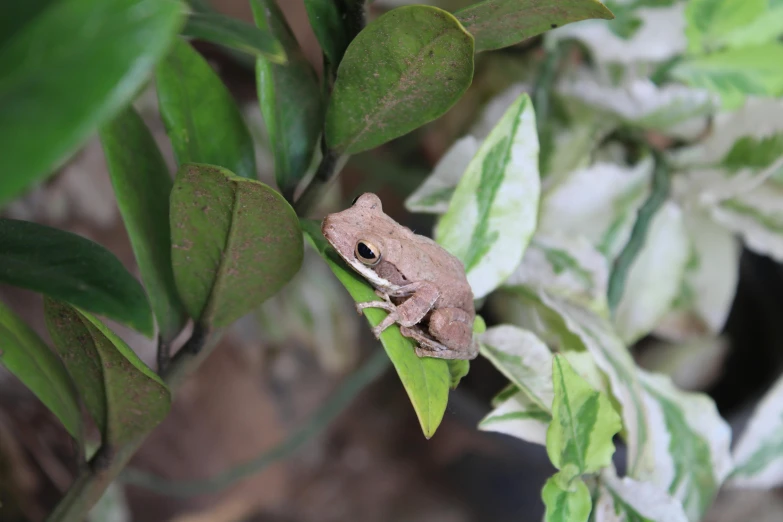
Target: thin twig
{"x":164,"y":354}
{"x":325,"y":414}
{"x":331,"y":163}
{"x":623,"y":263}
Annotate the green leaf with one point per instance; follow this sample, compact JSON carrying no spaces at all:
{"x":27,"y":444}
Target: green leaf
{"x":518,"y":416}
{"x":736,"y":73}
{"x":501,"y":23}
{"x":758,"y":454}
{"x":493,"y":212}
{"x":142,"y":185}
{"x":692,"y":443}
{"x":236,"y":243}
{"x":335,"y":23}
{"x":625,"y":499}
{"x":234,"y":33}
{"x":579,"y":438}
{"x":522,"y":358}
{"x":124,"y":397}
{"x":563,"y":503}
{"x":68,"y":70}
{"x":709,"y":23}
{"x":290,"y":100}
{"x":425,"y":379}
{"x":405,"y":69}
{"x":25,"y":355}
{"x":201,"y":117}
{"x":754,"y":152}
{"x":74,"y":269}
{"x":458,"y":368}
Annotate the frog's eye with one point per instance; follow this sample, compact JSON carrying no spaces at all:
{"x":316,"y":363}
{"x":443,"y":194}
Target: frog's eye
{"x":367,"y":253}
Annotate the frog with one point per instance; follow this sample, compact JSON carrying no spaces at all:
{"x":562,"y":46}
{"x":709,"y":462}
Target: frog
{"x":423,"y":287}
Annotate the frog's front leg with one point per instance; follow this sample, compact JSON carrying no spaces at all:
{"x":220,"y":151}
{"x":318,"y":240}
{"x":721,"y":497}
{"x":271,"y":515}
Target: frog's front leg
{"x":422,"y":297}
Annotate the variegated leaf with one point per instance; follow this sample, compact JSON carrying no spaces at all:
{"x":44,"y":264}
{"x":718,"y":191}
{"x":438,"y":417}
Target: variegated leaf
{"x":566,"y":502}
{"x":691,"y":443}
{"x":567,"y":266}
{"x":599,"y":203}
{"x":639,"y":101}
{"x":494,"y":210}
{"x":519,"y":417}
{"x":579,"y":438}
{"x":659,"y":37}
{"x":628,"y":500}
{"x":758,"y":455}
{"x":656,"y":276}
{"x":524,"y":359}
{"x":434,"y":195}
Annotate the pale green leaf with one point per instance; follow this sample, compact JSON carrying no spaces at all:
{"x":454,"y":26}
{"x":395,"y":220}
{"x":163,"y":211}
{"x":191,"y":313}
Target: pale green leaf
{"x":519,"y":417}
{"x":563,"y":503}
{"x":735,"y":74}
{"x":691,"y":442}
{"x":523,"y":358}
{"x":656,"y":275}
{"x":628,"y":500}
{"x":579,"y":438}
{"x":758,"y":456}
{"x":493,"y":212}
{"x":710,"y":22}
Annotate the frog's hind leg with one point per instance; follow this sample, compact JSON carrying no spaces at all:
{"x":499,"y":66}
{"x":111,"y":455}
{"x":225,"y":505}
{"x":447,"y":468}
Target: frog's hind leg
{"x":426,"y":346}
{"x":454,"y":327}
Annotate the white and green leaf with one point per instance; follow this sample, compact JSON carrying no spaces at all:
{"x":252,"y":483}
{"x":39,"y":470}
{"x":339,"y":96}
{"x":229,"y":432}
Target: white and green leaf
{"x":564,"y":501}
{"x":520,"y":417}
{"x":568,"y":266}
{"x":579,"y":438}
{"x":523,"y":358}
{"x":599,"y":203}
{"x":660,"y":36}
{"x":434,"y":195}
{"x":734,"y":74}
{"x":596,"y":335}
{"x":710,"y":281}
{"x":750,"y":137}
{"x":494,"y":209}
{"x":758,"y":456}
{"x":655,"y":277}
{"x":639,"y":101}
{"x":692,"y":457}
{"x":628,"y":500}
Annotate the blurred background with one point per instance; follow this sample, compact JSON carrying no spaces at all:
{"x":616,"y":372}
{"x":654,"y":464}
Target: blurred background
{"x":275,"y":368}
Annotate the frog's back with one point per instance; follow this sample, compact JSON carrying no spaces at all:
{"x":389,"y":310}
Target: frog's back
{"x":447,"y":272}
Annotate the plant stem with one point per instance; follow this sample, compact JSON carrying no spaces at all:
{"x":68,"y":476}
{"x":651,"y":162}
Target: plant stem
{"x":325,"y":414}
{"x":541,"y":104}
{"x":93,"y":479}
{"x":330,"y":166}
{"x":623,"y":263}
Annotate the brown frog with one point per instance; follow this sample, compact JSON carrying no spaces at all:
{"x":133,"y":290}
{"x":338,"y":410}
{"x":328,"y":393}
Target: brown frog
{"x":424,"y":287}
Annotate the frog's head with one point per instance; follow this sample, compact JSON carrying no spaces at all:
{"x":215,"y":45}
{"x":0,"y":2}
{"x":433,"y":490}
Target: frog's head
{"x":359,"y":233}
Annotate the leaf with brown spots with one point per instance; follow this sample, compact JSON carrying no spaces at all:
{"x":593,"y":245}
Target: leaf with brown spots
{"x":235,"y":243}
{"x":405,"y":69}
{"x":125,"y":398}
{"x":500,"y":23}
